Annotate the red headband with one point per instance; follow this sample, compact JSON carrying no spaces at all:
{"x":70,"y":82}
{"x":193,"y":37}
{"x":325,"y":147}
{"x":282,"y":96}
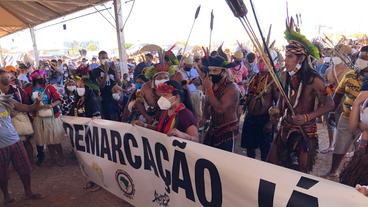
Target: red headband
{"x":164,"y":88}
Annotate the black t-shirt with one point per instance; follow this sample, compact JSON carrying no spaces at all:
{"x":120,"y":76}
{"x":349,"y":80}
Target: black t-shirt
{"x":92,"y":104}
{"x":106,"y":93}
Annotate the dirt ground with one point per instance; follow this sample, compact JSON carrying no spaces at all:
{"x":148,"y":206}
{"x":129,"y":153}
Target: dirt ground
{"x":63,"y":186}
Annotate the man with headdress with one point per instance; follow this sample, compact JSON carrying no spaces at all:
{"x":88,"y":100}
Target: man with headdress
{"x":221,"y":105}
{"x":333,"y":76}
{"x":262,"y":95}
{"x":296,"y":143}
{"x":346,"y":92}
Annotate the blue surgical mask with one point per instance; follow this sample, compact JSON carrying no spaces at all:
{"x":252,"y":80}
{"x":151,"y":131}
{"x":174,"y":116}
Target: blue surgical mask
{"x":138,"y":86}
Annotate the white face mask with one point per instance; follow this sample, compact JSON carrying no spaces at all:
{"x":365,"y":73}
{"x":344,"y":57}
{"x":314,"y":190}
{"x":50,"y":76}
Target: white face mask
{"x":71,"y":88}
{"x":297,"y":68}
{"x":116,"y":96}
{"x":81,"y":91}
{"x":336,"y":60}
{"x":164,"y":103}
{"x":364,"y":113}
{"x":35,"y":95}
{"x":361,"y":64}
{"x":327,"y":59}
{"x":158,"y":82}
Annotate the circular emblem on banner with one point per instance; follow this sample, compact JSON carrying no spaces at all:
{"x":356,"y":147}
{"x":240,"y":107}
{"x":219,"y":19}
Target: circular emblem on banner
{"x":125,"y":183}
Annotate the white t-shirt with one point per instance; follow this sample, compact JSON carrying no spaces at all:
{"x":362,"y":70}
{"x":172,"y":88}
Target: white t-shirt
{"x":190,"y":75}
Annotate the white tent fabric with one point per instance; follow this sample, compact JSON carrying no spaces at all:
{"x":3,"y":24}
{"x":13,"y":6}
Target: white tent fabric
{"x":16,"y":15}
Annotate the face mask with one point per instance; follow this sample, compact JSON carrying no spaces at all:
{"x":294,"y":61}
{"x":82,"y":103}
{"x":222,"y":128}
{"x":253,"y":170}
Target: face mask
{"x":138,"y":86}
{"x":71,"y":88}
{"x":216,"y":78}
{"x":327,"y":59}
{"x":297,"y":67}
{"x":261,"y":67}
{"x":361,"y":64}
{"x":35,"y":95}
{"x":187,"y":69}
{"x":159,"y":82}
{"x":40,"y":81}
{"x":164,"y":103}
{"x":5,"y":81}
{"x":103,"y":61}
{"x":116,"y":96}
{"x":364,"y":113}
{"x":336,"y":60}
{"x":65,"y":68}
{"x":81,"y":91}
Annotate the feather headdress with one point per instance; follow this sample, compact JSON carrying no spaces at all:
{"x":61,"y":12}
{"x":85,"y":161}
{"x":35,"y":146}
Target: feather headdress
{"x":298,"y":40}
{"x":168,"y":63}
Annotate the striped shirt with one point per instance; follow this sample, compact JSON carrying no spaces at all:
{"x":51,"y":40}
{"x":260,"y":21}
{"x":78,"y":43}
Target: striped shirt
{"x":349,"y":86}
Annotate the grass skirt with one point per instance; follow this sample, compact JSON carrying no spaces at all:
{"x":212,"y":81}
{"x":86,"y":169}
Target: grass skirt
{"x":48,"y":130}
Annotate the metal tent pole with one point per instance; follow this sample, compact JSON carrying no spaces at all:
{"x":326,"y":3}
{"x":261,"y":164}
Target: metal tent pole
{"x":120,"y":35}
{"x":34,"y":43}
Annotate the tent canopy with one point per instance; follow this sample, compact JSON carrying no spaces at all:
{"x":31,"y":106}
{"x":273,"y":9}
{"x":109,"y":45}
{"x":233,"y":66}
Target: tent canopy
{"x":16,"y":15}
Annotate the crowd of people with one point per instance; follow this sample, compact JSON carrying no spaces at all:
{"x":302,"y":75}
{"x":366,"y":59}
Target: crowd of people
{"x":200,"y":98}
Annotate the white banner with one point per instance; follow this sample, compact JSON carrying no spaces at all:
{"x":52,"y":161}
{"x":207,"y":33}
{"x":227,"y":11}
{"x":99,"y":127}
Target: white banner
{"x":147,"y":168}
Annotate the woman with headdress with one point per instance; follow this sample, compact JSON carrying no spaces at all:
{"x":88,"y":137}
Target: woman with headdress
{"x":157,"y":74}
{"x":176,"y":117}
{"x":47,"y":124}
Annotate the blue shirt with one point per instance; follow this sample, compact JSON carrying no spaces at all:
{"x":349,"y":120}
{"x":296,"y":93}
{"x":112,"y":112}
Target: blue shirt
{"x":190,"y":75}
{"x":8,"y":134}
{"x":94,"y":66}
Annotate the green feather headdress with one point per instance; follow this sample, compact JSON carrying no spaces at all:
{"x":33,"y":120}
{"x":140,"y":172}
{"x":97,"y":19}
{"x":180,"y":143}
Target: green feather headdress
{"x":292,"y":34}
{"x":168,"y":63}
{"x":150,"y":72}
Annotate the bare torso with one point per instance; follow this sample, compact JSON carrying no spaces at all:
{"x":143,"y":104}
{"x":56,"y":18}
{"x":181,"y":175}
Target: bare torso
{"x":231,"y":113}
{"x":149,"y":94}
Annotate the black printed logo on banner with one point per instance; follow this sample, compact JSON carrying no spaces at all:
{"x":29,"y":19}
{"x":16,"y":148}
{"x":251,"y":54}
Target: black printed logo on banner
{"x":161,"y":200}
{"x":125,"y":183}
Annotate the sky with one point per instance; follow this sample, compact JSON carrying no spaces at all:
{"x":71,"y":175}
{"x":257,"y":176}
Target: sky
{"x":167,"y":21}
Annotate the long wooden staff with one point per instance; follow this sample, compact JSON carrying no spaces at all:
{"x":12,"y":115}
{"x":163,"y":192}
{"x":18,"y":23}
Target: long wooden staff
{"x":240,"y":11}
{"x":191,"y":29}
